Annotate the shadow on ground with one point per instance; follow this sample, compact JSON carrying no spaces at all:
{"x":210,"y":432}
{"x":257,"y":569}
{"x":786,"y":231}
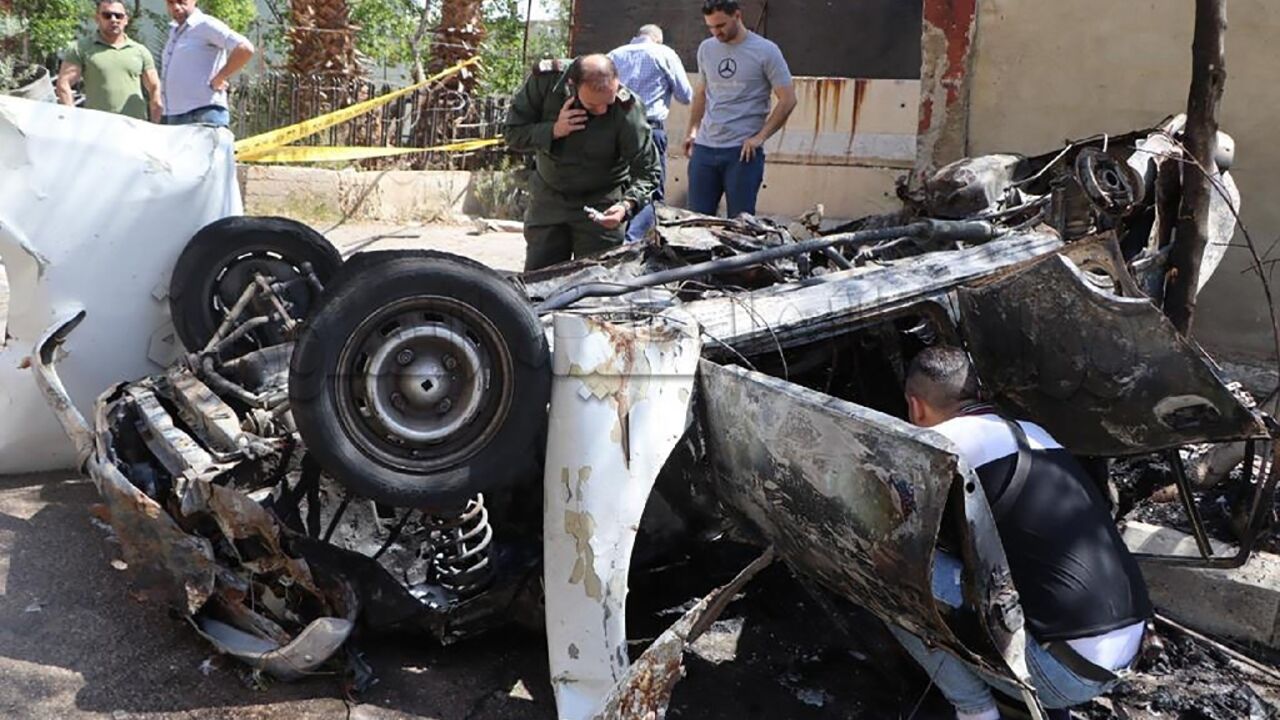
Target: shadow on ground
{"x":73,"y":642}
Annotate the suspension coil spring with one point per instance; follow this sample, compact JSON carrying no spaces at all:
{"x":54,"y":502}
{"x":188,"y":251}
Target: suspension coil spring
{"x":461,"y":550}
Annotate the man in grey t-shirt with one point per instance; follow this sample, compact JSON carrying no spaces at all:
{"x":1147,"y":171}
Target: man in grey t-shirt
{"x":738,"y":72}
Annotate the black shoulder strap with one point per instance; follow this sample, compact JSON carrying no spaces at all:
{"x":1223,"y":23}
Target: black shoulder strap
{"x":1021,"y":468}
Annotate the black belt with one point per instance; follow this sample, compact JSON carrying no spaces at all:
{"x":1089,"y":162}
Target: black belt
{"x":1062,"y":651}
{"x":658,"y":124}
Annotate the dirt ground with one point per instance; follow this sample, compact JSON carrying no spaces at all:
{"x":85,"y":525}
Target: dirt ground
{"x":75,"y":644}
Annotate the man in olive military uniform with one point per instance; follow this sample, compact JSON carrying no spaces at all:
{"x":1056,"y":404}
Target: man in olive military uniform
{"x":594,"y":150}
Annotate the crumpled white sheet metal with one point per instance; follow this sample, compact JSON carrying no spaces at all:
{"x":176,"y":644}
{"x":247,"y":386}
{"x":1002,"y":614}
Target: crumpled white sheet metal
{"x":619,"y":404}
{"x":94,"y":211}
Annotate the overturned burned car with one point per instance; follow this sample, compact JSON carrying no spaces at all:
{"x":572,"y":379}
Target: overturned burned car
{"x":360,"y":442}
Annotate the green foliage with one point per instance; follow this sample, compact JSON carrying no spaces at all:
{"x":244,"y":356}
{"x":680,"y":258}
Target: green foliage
{"x":506,"y":66}
{"x":500,"y":192}
{"x":51,"y":24}
{"x":386,"y":27}
{"x":239,"y":14}
{"x":10,"y":27}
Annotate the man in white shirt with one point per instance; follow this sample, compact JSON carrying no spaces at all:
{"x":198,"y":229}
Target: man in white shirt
{"x":1082,"y":593}
{"x":199,"y":58}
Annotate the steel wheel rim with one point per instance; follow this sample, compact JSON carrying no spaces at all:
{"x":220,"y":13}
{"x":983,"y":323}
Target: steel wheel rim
{"x":424,"y":384}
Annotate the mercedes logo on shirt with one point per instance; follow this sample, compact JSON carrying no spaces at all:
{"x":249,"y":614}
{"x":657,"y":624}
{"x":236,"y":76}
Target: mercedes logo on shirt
{"x":728,"y":68}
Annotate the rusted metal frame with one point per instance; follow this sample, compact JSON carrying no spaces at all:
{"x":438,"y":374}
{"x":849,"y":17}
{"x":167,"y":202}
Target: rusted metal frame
{"x":1189,"y":503}
{"x":209,"y":373}
{"x":645,"y":691}
{"x":988,"y":585}
{"x":797,"y":313}
{"x":1263,"y":501}
{"x":836,"y":521}
{"x":206,"y":414}
{"x":176,"y":450}
{"x":939,"y":309}
{"x":179,"y":566}
{"x":233,"y":315}
{"x":44,"y":359}
{"x":956,"y":230}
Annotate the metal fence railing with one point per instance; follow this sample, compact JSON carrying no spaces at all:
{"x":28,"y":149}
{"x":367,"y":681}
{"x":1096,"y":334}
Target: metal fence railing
{"x":424,"y":118}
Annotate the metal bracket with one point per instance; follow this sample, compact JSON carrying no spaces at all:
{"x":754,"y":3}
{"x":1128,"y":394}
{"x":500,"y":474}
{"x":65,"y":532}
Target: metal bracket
{"x":1262,"y":502}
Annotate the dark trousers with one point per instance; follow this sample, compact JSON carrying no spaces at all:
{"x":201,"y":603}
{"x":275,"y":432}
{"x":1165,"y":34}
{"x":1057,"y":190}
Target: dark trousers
{"x":716,"y":172}
{"x":646,"y":217}
{"x":550,"y":244}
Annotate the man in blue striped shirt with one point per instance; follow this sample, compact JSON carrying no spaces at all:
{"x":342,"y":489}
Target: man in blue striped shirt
{"x":655,"y":73}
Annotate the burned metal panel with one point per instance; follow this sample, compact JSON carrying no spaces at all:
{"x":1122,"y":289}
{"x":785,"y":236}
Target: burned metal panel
{"x":645,"y":691}
{"x":797,"y":313}
{"x":619,"y":406}
{"x":1105,"y":374}
{"x":204,"y":411}
{"x":848,"y":496}
{"x":867,"y":39}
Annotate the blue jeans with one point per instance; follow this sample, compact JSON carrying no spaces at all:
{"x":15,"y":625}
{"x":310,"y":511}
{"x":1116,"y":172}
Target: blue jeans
{"x":969,"y":688}
{"x":646,"y":217}
{"x":207,"y":115}
{"x":714,"y":172}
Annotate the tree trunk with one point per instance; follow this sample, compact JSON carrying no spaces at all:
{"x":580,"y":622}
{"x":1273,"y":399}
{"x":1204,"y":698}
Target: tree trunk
{"x":415,"y":42}
{"x":1208,"y":80}
{"x":322,"y":39}
{"x":458,"y":38}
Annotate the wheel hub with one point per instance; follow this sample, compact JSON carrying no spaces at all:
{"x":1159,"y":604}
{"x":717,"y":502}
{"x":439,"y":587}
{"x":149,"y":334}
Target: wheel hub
{"x":425,"y":383}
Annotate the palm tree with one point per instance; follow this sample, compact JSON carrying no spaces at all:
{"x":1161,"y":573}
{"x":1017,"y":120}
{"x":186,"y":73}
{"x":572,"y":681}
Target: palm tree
{"x":322,"y":39}
{"x":457,"y":38}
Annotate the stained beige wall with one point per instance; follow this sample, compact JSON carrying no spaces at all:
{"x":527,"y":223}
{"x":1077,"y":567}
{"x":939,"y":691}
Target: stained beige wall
{"x":845,"y":146}
{"x":1046,"y":70}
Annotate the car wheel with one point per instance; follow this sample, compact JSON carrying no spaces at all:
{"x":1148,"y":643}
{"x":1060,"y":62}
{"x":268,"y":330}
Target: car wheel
{"x":220,"y":261}
{"x":422,"y":380}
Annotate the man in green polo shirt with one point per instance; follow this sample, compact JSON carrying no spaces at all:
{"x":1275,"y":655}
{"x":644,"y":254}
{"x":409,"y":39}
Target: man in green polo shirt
{"x":114,"y":68}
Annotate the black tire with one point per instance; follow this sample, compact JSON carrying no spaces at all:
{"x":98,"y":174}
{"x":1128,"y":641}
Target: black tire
{"x":425,"y":328}
{"x":215,"y":265}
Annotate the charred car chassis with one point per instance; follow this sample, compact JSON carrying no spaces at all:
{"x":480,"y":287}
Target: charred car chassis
{"x":357,"y":444}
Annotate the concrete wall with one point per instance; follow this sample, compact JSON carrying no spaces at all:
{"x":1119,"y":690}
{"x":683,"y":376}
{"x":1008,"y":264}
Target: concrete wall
{"x":1047,"y":71}
{"x":395,"y":196}
{"x":845,"y":146}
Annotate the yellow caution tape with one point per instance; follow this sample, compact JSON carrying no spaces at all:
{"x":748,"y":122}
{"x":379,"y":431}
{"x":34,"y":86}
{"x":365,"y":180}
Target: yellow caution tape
{"x":313,"y":154}
{"x":252,"y":146}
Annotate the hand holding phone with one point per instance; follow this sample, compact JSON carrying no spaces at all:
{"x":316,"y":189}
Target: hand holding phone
{"x":571,"y":119}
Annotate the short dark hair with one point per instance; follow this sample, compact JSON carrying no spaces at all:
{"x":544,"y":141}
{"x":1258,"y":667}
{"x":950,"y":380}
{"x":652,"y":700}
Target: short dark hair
{"x":943,"y":377}
{"x":728,"y":7}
